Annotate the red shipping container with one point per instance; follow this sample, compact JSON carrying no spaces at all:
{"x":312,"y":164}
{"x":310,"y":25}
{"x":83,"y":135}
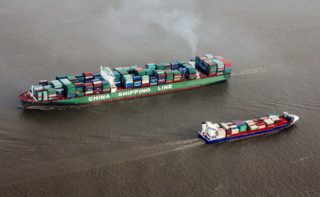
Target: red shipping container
{"x":272,"y":125}
{"x":226,"y":62}
{"x":145,"y":85}
{"x":161,"y":81}
{"x":88,"y":74}
{"x":88,"y":84}
{"x":78,"y":84}
{"x":203,"y":58}
{"x":228,"y":131}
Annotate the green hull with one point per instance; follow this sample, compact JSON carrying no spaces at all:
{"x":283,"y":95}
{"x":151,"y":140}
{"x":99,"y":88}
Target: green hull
{"x":134,"y":93}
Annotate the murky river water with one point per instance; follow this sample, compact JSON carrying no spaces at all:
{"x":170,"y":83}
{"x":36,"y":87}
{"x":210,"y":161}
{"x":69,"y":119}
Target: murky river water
{"x":149,"y":146}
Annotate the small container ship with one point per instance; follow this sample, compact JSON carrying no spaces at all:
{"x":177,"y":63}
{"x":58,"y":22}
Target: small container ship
{"x":213,"y":133}
{"x":128,"y":82}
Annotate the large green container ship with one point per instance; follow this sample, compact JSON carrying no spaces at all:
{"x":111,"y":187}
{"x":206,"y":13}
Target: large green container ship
{"x":123,"y":83}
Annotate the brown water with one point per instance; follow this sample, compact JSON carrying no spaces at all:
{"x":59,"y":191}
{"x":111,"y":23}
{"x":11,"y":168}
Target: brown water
{"x":149,"y":146}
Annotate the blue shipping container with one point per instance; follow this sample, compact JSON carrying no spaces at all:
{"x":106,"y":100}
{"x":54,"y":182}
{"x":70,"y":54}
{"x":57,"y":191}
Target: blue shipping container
{"x":137,"y":78}
{"x":137,"y":84}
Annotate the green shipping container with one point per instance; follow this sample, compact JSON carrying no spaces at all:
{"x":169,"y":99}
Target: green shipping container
{"x":79,"y":89}
{"x":127,"y":78}
{"x":47,"y":87}
{"x":51,"y":91}
{"x":159,"y":72}
{"x":151,"y":66}
{"x":141,"y":72}
{"x":123,"y":72}
{"x":176,"y":72}
{"x":191,"y":70}
{"x":227,"y":70}
{"x":79,"y":93}
{"x":106,"y":85}
{"x":160,"y":66}
{"x":65,"y":81}
{"x":132,"y":67}
{"x":56,"y":84}
{"x":181,"y":63}
{"x":71,"y":77}
{"x":148,"y":72}
{"x":218,"y":62}
{"x":120,"y":69}
{"x":45,"y":95}
{"x":169,"y":75}
{"x":242,"y":128}
{"x":213,"y":70}
{"x":39,"y":96}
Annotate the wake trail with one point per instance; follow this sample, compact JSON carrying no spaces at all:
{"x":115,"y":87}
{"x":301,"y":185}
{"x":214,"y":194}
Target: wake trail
{"x":256,"y":70}
{"x":75,"y":165}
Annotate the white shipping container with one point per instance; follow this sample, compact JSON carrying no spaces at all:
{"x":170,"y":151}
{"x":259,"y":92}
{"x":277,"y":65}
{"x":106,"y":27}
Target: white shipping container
{"x":209,"y":56}
{"x":251,"y":123}
{"x":233,"y":127}
{"x":193,"y":64}
{"x":234,"y":131}
{"x":220,"y":129}
{"x":210,"y":124}
{"x":268,"y":121}
{"x":253,"y":127}
{"x":211,"y":133}
{"x":39,"y":96}
{"x":221,"y":134}
{"x":145,"y":80}
{"x":216,"y":125}
{"x":224,"y":125}
{"x":218,"y":57}
{"x":274,"y":117}
{"x":38,"y":89}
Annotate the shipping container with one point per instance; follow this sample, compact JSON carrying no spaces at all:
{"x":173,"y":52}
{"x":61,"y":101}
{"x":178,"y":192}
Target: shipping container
{"x":87,"y":83}
{"x":151,"y":66}
{"x":43,"y":82}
